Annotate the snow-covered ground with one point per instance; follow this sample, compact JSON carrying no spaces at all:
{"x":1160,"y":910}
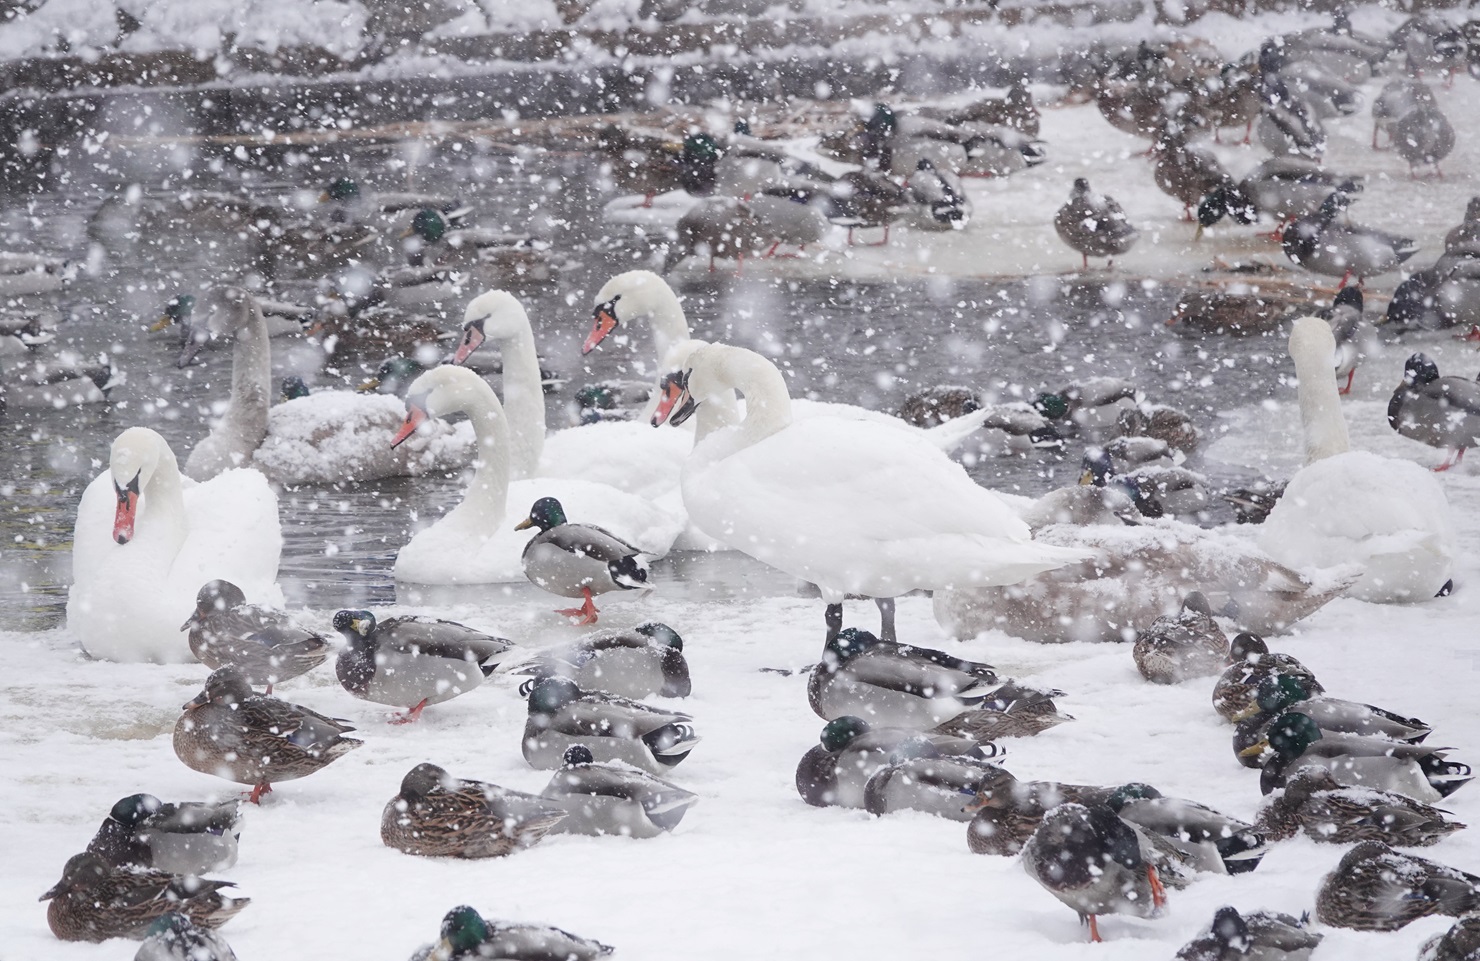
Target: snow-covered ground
{"x":752,"y":868}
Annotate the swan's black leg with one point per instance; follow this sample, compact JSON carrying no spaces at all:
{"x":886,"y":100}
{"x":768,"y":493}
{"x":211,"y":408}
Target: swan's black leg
{"x":886,"y":618}
{"x":834,"y":617}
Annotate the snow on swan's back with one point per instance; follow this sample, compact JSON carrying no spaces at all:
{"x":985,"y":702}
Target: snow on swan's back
{"x":850,"y":505}
{"x":1387,"y":516}
{"x":128,"y":599}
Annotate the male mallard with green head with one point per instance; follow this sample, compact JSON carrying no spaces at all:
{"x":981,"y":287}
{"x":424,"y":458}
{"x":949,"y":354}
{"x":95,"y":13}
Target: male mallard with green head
{"x":410,"y":662}
{"x":612,"y":728}
{"x":578,"y":560}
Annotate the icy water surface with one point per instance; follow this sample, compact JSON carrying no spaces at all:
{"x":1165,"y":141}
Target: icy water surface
{"x":866,"y":343}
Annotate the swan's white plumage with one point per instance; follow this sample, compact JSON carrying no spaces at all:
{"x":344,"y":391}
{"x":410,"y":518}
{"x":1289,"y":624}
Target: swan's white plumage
{"x":328,"y":437}
{"x":849,"y":505}
{"x":127,"y":601}
{"x":1389,"y":517}
{"x":475,"y":542}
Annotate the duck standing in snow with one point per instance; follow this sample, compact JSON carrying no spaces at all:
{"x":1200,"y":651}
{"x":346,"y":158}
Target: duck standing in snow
{"x":1324,"y":245}
{"x":410,"y":662}
{"x":233,"y":733}
{"x":578,"y":560}
{"x":1095,"y":863}
{"x":1094,"y":225}
{"x":1354,"y":336}
{"x":1438,"y":411}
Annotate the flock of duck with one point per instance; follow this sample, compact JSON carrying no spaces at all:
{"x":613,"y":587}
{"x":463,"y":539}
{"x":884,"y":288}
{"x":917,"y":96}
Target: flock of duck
{"x":859,"y":503}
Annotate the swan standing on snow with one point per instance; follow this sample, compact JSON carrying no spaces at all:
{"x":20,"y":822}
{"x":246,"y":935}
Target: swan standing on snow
{"x":327,"y":437}
{"x":146,"y":540}
{"x":1388,"y":516}
{"x":851,"y":506}
{"x":475,"y":543}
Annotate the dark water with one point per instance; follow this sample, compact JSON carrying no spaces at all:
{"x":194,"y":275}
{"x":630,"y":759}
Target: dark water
{"x":867,"y":343}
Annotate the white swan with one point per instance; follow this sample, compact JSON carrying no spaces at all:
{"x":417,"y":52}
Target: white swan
{"x":852,"y":506}
{"x":327,"y":437}
{"x":475,"y":543}
{"x":643,"y":295}
{"x":628,"y":455}
{"x":1386,"y":516}
{"x":146,"y":539}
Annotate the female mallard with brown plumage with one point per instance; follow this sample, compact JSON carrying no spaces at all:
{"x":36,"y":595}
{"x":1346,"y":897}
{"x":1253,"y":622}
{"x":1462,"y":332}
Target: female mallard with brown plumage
{"x":95,"y":902}
{"x":438,"y":815}
{"x":1313,"y":802}
{"x":265,"y":645}
{"x":1375,"y":888}
{"x":1179,"y":647}
{"x":233,"y":733}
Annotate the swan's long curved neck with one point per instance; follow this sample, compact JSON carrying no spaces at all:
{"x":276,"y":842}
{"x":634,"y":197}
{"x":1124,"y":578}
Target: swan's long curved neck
{"x":524,"y":402}
{"x":251,"y":379}
{"x":162,"y":507}
{"x":484,"y":503}
{"x":767,"y":401}
{"x":665,"y":316}
{"x":1320,"y":404}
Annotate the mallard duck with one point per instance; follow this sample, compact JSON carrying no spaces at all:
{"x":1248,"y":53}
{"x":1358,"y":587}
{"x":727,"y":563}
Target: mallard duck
{"x":1094,"y":225}
{"x":614,"y":799}
{"x":1005,"y":811}
{"x":1250,"y":664}
{"x":1093,"y":861}
{"x":1132,"y":93}
{"x":938,"y":194}
{"x":1460,"y":943}
{"x":1097,"y":498}
{"x":95,"y":902}
{"x":1322,"y":245}
{"x":1092,"y":405}
{"x":1283,"y":187}
{"x":1252,"y":504}
{"x":1164,"y":490}
{"x":1312,"y":801}
{"x":636,"y":662}
{"x":1210,"y":840}
{"x":189,"y":838}
{"x":1169,"y":425}
{"x":861,"y":199}
{"x":233,"y":733}
{"x":265,"y":645}
{"x":1187,"y":173}
{"x":612,"y":728}
{"x":467,"y":935}
{"x":1423,"y":136}
{"x":174,"y":937}
{"x":835,"y":772}
{"x":22,"y":331}
{"x":411,"y":662}
{"x":1177,"y":648}
{"x":651,"y":162}
{"x":498,"y":259}
{"x":1294,"y":741}
{"x":1375,"y":888}
{"x":1465,"y":239}
{"x":919,"y":777}
{"x":23,"y":274}
{"x":1345,"y":52}
{"x":1398,"y":98}
{"x":1239,"y":312}
{"x":1260,"y":936}
{"x":895,"y":143}
{"x":372,"y":328}
{"x":1354,"y":336}
{"x":390,"y":212}
{"x":1015,"y":109}
{"x":52,"y":383}
{"x":1287,"y":123}
{"x":1138,"y":573}
{"x":1279,"y":693}
{"x":1438,"y":411}
{"x":733,"y":229}
{"x":1444,"y":295}
{"x":578,"y":560}
{"x":1430,"y":42}
{"x":438,"y":815}
{"x":898,"y":685}
{"x":281,"y":319}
